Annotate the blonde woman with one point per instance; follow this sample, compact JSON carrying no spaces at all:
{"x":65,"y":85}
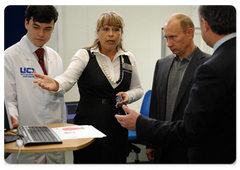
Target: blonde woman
{"x":103,"y":71}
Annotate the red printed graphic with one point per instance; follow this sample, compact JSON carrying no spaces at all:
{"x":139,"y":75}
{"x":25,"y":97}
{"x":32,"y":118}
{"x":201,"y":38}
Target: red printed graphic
{"x":73,"y":128}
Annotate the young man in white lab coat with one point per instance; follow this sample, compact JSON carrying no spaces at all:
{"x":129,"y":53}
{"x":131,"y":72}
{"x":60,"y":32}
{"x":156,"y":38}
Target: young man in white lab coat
{"x":28,"y":103}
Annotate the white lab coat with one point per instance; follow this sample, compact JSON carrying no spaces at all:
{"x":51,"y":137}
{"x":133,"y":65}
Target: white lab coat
{"x":28,"y":102}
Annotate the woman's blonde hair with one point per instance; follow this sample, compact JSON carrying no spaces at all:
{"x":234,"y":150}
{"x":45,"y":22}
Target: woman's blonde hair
{"x":111,"y":19}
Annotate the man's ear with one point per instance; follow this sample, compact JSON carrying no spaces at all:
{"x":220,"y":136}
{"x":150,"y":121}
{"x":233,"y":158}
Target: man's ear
{"x":206,"y":26}
{"x":26,"y":24}
{"x":190,"y":32}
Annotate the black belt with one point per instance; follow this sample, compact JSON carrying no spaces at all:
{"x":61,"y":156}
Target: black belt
{"x":109,"y":101}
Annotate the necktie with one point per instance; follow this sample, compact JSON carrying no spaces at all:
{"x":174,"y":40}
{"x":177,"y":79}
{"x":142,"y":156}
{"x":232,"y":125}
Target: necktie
{"x":40,"y":54}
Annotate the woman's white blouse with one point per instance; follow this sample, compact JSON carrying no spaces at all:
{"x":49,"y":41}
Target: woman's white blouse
{"x":80,"y":61}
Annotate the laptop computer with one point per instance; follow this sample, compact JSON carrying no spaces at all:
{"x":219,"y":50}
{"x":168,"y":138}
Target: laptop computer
{"x":38,"y":135}
{"x":31,"y":135}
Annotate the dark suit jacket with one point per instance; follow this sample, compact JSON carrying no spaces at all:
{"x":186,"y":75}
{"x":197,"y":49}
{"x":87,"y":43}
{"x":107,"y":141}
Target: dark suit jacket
{"x":158,"y":101}
{"x":209,"y":122}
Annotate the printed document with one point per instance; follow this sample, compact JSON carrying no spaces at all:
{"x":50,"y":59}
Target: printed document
{"x":77,"y":132}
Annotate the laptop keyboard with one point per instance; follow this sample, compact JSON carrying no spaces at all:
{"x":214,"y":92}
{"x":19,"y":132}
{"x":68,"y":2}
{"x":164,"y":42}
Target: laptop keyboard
{"x":38,"y":135}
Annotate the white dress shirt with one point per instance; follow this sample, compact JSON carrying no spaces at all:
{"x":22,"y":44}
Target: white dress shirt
{"x":80,"y":61}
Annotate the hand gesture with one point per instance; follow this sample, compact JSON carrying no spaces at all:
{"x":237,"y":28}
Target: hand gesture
{"x":46,"y":82}
{"x":128,"y":121}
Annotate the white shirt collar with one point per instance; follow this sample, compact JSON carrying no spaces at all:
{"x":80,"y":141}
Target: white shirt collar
{"x":224,"y":39}
{"x":31,"y":46}
{"x":119,"y":52}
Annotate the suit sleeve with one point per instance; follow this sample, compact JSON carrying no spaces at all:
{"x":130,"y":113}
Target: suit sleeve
{"x":198,"y":122}
{"x":153,"y":104}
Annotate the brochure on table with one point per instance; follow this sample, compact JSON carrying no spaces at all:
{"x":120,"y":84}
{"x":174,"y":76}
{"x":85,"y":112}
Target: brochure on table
{"x":77,"y":132}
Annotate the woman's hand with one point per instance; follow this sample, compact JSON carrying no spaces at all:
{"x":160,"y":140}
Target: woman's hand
{"x":124,"y":97}
{"x":46,"y":82}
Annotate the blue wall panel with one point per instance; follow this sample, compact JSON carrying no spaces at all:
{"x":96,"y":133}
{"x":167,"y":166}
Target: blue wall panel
{"x":14,"y":29}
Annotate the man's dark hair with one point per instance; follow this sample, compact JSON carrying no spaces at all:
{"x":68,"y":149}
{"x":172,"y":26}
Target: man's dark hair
{"x":41,"y":13}
{"x":221,"y":19}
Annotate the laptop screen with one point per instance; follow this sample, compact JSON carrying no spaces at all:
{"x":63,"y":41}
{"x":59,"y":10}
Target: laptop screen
{"x":7,"y":118}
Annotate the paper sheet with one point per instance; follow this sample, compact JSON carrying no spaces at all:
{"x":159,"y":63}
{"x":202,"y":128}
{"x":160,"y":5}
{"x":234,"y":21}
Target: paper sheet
{"x":77,"y":132}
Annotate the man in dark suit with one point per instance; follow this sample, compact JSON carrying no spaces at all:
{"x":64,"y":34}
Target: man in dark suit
{"x":209,"y":122}
{"x":173,"y":79}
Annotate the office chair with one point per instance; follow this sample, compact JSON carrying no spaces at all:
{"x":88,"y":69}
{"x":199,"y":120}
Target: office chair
{"x":132,"y":136}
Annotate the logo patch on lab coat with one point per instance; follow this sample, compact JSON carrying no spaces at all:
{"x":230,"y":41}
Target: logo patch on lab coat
{"x":27,"y":72}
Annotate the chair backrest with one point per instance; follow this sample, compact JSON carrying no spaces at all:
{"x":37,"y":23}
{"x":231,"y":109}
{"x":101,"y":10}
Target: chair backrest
{"x":146,"y":104}
{"x":71,"y":108}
